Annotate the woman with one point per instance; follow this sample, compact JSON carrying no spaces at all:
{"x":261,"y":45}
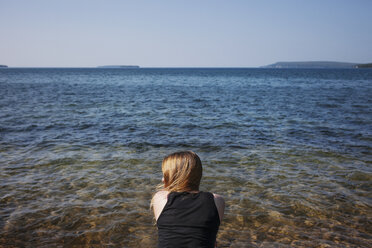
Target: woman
{"x":185,"y":216}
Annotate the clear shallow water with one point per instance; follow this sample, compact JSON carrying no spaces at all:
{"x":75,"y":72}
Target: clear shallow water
{"x":80,"y":153}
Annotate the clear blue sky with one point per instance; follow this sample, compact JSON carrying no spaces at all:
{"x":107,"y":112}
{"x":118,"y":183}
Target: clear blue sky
{"x":183,"y":33}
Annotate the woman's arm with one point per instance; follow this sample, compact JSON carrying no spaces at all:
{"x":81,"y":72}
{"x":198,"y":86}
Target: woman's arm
{"x":158,"y":202}
{"x":220,"y":204}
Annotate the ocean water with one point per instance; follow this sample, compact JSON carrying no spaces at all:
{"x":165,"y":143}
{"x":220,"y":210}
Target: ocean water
{"x":81,"y":150}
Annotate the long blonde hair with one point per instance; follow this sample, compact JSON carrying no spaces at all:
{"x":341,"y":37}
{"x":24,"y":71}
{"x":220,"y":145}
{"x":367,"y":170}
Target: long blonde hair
{"x":182,"y":171}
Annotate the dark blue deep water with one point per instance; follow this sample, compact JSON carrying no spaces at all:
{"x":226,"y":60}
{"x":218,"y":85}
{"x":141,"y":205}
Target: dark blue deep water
{"x":289,"y":149}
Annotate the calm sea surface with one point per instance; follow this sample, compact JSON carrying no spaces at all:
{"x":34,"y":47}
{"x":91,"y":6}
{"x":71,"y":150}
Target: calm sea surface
{"x":290,"y":150}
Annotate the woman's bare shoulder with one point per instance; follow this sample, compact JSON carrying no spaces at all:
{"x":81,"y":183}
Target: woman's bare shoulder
{"x":218,"y":198}
{"x":160,"y":195}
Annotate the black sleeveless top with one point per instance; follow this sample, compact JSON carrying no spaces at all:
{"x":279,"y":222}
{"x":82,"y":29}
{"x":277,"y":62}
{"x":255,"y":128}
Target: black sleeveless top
{"x":188,"y":220}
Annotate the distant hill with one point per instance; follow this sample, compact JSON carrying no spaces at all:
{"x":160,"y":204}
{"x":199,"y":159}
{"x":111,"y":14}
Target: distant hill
{"x":364,"y":65}
{"x":312,"y":64}
{"x":3,"y":66}
{"x":120,"y":66}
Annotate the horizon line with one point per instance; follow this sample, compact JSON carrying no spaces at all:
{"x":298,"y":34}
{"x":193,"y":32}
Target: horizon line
{"x":140,"y":67}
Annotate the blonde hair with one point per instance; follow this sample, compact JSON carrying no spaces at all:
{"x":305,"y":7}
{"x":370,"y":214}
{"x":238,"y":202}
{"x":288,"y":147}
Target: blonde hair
{"x":182,"y":171}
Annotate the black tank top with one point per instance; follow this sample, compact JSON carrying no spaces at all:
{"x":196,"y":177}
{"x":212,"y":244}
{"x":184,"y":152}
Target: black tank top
{"x":188,"y":220}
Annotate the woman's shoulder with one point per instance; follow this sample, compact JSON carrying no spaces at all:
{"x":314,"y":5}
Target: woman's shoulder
{"x":218,"y":199}
{"x":160,"y":198}
{"x":162,"y":194}
{"x":217,"y":196}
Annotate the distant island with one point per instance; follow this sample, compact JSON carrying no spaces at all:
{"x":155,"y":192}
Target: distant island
{"x":369,"y":65}
{"x":317,"y":65}
{"x":3,"y":66}
{"x":120,"y":66}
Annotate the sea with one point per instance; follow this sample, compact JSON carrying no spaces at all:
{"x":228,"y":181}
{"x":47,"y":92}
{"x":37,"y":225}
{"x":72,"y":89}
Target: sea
{"x":290,"y":150}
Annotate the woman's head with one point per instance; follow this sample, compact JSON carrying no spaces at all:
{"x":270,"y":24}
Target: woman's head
{"x":182,"y":171}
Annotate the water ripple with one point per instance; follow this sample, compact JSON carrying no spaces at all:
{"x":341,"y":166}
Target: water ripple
{"x":80,"y":153}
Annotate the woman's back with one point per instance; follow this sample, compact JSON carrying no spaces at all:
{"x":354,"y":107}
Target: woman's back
{"x":185,"y":216}
{"x":188,"y":220}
